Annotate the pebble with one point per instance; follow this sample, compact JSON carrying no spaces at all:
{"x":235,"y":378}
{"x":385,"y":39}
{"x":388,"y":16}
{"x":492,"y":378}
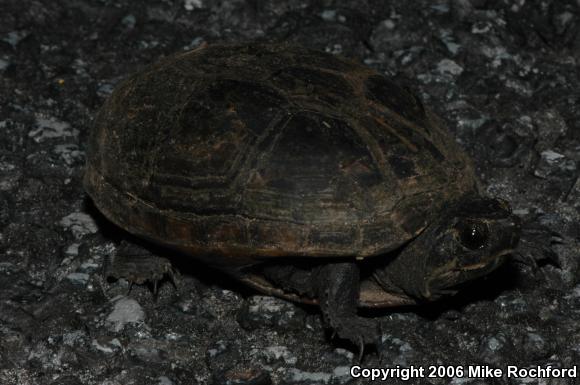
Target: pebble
{"x":296,"y":376}
{"x":129,"y":21}
{"x":51,"y":128}
{"x":15,"y":37}
{"x":80,"y":224}
{"x":551,"y":156}
{"x":106,"y":345}
{"x":266,"y":311}
{"x":553,"y":163}
{"x":448,"y":39}
{"x":126,"y":311}
{"x":273,"y":354}
{"x":396,"y":351}
{"x":449,"y":67}
{"x":79,"y":279}
{"x":218,"y":348}
{"x":70,"y":153}
{"x":190,"y":5}
{"x":105,"y":90}
{"x":4,"y":64}
{"x":491,"y":346}
{"x":163,"y":380}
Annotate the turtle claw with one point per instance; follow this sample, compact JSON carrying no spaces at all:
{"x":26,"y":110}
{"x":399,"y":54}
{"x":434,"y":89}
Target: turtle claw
{"x":361,"y":350}
{"x":130,"y":288}
{"x":359,"y":331}
{"x":527,"y":259}
{"x":536,"y":245}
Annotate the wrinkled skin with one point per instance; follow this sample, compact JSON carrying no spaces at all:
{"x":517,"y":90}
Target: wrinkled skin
{"x":471,"y":238}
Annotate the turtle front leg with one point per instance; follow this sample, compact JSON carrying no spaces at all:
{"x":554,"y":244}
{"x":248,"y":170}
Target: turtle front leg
{"x":337,"y":286}
{"x":535,"y":245}
{"x":139,"y":266}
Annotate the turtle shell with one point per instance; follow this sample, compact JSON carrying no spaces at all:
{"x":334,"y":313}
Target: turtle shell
{"x":240,"y":153}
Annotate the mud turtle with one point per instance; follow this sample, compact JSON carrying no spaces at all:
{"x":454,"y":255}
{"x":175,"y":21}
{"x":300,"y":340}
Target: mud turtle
{"x":303,"y":174}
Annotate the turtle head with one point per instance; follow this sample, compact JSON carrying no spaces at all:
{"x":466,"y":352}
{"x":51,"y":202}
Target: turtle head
{"x":469,"y":239}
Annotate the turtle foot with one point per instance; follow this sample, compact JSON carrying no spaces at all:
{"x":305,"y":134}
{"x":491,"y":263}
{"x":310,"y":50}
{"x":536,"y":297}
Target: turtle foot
{"x":357,"y":330}
{"x":536,"y":245}
{"x":139,"y":266}
{"x":338,"y":292}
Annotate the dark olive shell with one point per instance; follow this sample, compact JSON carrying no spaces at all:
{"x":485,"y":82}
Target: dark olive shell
{"x":238,"y":153}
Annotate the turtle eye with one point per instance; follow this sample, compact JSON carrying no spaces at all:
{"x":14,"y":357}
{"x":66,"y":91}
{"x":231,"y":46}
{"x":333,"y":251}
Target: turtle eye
{"x":473,"y":235}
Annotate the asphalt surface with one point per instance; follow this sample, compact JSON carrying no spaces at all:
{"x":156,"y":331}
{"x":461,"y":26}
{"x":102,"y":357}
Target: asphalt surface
{"x":504,"y":76}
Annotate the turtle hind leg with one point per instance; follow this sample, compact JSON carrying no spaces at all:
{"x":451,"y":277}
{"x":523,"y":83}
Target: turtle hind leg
{"x":338,"y":286}
{"x":139,"y":266}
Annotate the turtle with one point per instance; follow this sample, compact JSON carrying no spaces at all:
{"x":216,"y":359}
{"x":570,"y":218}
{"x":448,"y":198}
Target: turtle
{"x":304,"y":174}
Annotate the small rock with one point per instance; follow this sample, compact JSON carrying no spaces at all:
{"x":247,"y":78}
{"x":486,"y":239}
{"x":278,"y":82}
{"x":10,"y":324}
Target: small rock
{"x":389,"y":24}
{"x":448,"y":39}
{"x":273,"y":354}
{"x":298,"y":377}
{"x":196,"y":42}
{"x":126,"y":311}
{"x":70,"y":153}
{"x":554,"y":163}
{"x":163,"y":380}
{"x":449,"y":67}
{"x":328,"y":15}
{"x":218,"y":348}
{"x":15,"y":37}
{"x":497,"y":54}
{"x":190,"y":5}
{"x":72,"y":250}
{"x":338,"y":357}
{"x":129,"y":21}
{"x":491,"y":348}
{"x":105,"y":90}
{"x":341,"y":374}
{"x":80,"y":224}
{"x":480,"y":27}
{"x":51,"y":128}
{"x":107,"y":345}
{"x":147,"y":351}
{"x":263,"y":311}
{"x":4,"y":64}
{"x":79,"y":279}
{"x":440,"y":8}
{"x":534,"y":345}
{"x":551,"y":156}
{"x":396,"y":351}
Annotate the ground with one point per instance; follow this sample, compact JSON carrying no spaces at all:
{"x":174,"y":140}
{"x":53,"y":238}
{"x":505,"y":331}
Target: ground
{"x":504,"y":77}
